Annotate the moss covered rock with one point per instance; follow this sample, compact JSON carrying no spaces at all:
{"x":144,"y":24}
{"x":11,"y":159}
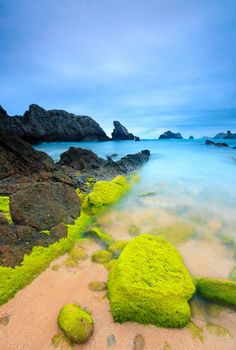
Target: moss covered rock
{"x":75,"y":323}
{"x":100,"y":235}
{"x":149,"y":284}
{"x":217,"y":290}
{"x":105,"y":194}
{"x":101,"y":257}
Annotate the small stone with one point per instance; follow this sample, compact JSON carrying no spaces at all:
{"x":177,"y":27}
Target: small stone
{"x":111,"y":340}
{"x":97,"y":286}
{"x":4,"y":320}
{"x":139,"y":342}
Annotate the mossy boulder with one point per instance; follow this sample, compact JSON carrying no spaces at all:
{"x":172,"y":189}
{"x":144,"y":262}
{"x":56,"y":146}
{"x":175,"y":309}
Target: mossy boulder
{"x":76,"y":323}
{"x":149,"y":284}
{"x":100,"y":235}
{"x":101,"y":257}
{"x":217,"y":290}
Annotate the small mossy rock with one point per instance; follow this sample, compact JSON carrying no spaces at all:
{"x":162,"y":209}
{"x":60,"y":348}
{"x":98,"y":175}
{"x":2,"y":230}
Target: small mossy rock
{"x":134,"y":230}
{"x":117,"y":247}
{"x":105,"y":194}
{"x":217,"y":290}
{"x":149,"y":284}
{"x":97,"y":286}
{"x":101,"y":257}
{"x":76,"y":323}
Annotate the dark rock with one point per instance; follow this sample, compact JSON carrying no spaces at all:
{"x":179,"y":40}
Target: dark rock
{"x":136,"y":138}
{"x":191,"y":138}
{"x":120,"y":132}
{"x":81,"y":159}
{"x":43,"y":205}
{"x":170,"y":135}
{"x":60,"y":230}
{"x":17,"y":157}
{"x":229,"y":135}
{"x":38,"y":125}
{"x":3,"y":220}
{"x":217,"y":144}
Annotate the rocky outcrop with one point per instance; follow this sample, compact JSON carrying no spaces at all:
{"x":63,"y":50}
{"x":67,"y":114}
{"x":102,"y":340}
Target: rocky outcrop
{"x":38,"y":125}
{"x":217,"y":144}
{"x":120,"y":132}
{"x":229,"y":135}
{"x":44,"y":205}
{"x":170,"y":135}
{"x":93,"y":166}
{"x":18,"y":157}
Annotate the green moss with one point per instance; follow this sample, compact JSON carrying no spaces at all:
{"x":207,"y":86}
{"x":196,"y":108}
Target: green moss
{"x":13,"y":279}
{"x":105,"y":194}
{"x":61,"y":341}
{"x":218,"y":330}
{"x":101,"y":257}
{"x":134,"y":230}
{"x":71,"y":263}
{"x":45,"y":232}
{"x":174,"y":234}
{"x":55,"y":267}
{"x":76,"y":323}
{"x":167,"y":346}
{"x":149,"y":284}
{"x":217,"y":290}
{"x":117,"y":247}
{"x":232,"y":275}
{"x":196,"y":332}
{"x":5,"y":208}
{"x":99,"y":234}
{"x":110,"y":264}
{"x":97,"y":286}
{"x":78,"y":253}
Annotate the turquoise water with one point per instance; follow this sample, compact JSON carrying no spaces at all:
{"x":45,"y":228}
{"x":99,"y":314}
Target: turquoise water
{"x":194,"y":182}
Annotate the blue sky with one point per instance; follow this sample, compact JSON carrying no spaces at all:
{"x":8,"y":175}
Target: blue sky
{"x":154,"y":64}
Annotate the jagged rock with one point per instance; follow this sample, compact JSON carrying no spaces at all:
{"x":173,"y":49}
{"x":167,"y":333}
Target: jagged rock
{"x":229,"y":135}
{"x":43,"y":205}
{"x":217,"y":144}
{"x":39,"y":125}
{"x":120,"y":132}
{"x":17,"y":157}
{"x":170,"y":135}
{"x":81,"y":159}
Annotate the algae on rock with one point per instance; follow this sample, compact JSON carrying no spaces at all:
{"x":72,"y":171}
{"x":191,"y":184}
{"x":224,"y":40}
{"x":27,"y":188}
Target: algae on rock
{"x":149,"y":284}
{"x":76,"y":323}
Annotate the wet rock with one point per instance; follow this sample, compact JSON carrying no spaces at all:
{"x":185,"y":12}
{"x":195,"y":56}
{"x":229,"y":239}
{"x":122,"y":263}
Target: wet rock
{"x":81,"y":159}
{"x":170,"y":135}
{"x":120,"y":132}
{"x":217,"y":144}
{"x":38,"y":125}
{"x":139,"y":342}
{"x":111,"y":340}
{"x":43,"y":205}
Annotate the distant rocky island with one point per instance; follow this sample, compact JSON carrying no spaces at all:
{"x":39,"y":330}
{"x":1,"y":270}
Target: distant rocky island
{"x":229,"y":135}
{"x":39,"y":125}
{"x":170,"y":135}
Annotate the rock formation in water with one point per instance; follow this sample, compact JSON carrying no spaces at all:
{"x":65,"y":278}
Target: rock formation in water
{"x":217,"y":144}
{"x":229,"y":135}
{"x":121,"y":133}
{"x":38,"y":125}
{"x":191,"y":138}
{"x":170,"y":135}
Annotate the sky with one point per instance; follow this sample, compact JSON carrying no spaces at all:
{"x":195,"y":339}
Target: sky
{"x":154,"y":65}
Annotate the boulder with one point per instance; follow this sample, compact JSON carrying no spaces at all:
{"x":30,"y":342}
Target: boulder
{"x":81,"y":159}
{"x":170,"y":135}
{"x":43,"y":205}
{"x":76,"y":323}
{"x":120,"y":132}
{"x":149,"y":284}
{"x":38,"y":125}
